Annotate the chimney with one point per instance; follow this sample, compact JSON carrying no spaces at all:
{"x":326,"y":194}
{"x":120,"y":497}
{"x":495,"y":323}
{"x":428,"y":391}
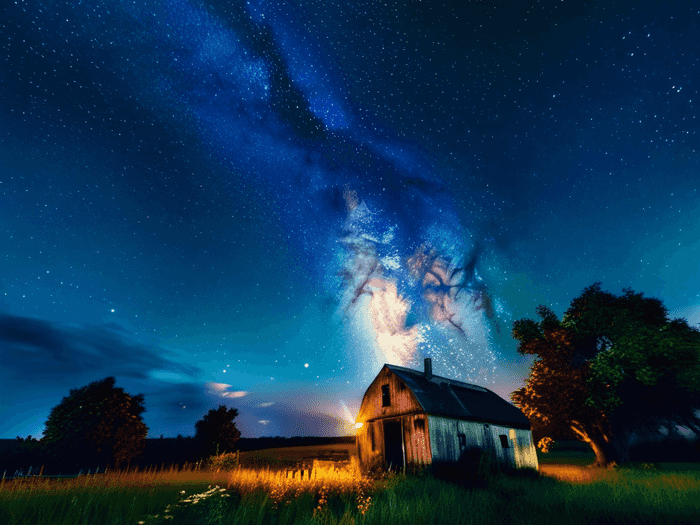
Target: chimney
{"x":428,"y":368}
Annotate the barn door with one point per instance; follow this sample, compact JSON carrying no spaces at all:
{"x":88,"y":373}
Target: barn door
{"x":393,"y":446}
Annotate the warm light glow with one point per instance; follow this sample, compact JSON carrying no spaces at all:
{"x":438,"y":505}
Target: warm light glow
{"x":358,"y":425}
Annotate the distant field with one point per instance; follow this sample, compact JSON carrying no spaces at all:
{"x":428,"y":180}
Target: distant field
{"x":289,"y":456}
{"x":569,"y":453}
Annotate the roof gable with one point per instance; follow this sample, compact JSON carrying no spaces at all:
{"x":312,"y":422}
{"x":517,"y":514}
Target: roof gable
{"x":449,"y":398}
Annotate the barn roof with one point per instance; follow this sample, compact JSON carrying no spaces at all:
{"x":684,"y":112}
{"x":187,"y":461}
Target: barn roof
{"x":440,"y":396}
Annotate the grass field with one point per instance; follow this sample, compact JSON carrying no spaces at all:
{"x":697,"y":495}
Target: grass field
{"x":562,"y":493}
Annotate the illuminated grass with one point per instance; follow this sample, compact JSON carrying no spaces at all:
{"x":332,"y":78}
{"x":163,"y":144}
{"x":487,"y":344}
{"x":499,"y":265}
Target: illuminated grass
{"x":250,"y":496}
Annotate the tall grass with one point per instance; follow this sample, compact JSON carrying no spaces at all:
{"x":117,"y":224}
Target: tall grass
{"x":266,"y":496}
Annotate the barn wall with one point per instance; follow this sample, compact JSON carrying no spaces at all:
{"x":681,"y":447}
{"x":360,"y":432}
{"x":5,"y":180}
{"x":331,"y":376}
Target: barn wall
{"x":416,"y":438}
{"x":416,"y":441}
{"x":506,"y":455}
{"x":444,"y":437}
{"x":402,"y":399}
{"x":445,"y":441}
{"x":368,"y":455}
{"x":524,"y":448}
{"x":403,"y":405}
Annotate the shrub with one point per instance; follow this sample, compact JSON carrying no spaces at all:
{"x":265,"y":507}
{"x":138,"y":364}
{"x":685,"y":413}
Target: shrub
{"x":223,"y":462}
{"x":545,"y":444}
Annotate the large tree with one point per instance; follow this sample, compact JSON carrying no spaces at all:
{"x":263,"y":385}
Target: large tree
{"x":613,"y":366}
{"x":216,"y":432}
{"x":96,"y":423}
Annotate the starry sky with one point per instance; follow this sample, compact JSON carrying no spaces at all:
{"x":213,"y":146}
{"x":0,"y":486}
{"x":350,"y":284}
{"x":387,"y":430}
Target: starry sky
{"x":258,"y":204}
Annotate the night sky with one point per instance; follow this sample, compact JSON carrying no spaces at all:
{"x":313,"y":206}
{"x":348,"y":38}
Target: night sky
{"x":259,"y":204}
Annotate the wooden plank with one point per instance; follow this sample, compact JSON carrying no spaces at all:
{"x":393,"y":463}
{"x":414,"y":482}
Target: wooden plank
{"x":416,"y":439}
{"x":373,"y":410}
{"x":401,"y":398}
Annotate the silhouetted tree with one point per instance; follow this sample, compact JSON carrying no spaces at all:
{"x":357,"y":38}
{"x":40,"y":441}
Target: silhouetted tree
{"x":216,"y":431}
{"x":29,"y":452}
{"x":612,"y":367}
{"x":95,"y":425}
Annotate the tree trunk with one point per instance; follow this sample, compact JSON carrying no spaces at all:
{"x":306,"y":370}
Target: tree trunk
{"x":610,"y":450}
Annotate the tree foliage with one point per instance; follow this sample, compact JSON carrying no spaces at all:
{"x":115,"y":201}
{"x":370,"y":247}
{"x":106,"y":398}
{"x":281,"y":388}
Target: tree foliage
{"x":216,"y":432}
{"x":613,"y":366}
{"x":98,"y":424}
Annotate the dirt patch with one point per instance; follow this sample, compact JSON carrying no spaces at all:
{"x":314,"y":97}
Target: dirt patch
{"x":577,"y":474}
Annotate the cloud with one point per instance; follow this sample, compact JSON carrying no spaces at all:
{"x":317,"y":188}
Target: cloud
{"x":218,"y":387}
{"x":221,"y":389}
{"x":43,"y":360}
{"x":289,"y":420}
{"x":54,"y":353}
{"x":240,"y":393}
{"x":268,"y":404}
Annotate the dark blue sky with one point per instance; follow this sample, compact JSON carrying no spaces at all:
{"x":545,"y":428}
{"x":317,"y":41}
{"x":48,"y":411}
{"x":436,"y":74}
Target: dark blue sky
{"x":258,"y":205}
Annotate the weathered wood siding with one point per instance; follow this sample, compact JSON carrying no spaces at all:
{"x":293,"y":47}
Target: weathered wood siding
{"x":445,"y":441}
{"x":416,"y":439}
{"x":524,"y":448}
{"x":370,"y":444}
{"x":447,"y":446}
{"x":404,"y":407}
{"x":402,"y":399}
{"x":504,"y":454}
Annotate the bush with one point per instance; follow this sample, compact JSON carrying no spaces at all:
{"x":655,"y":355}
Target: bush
{"x":223,"y":462}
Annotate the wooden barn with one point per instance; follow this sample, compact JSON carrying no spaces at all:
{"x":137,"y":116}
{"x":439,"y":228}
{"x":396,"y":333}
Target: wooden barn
{"x":410,"y":417}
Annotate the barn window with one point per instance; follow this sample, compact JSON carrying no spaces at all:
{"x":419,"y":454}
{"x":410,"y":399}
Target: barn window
{"x":386,"y":399}
{"x":462,"y":441}
{"x":371,"y":435}
{"x":504,"y":440}
{"x":419,"y":424}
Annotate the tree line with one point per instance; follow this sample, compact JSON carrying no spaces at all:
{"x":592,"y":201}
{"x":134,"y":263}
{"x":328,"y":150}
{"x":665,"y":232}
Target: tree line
{"x":101,"y":425}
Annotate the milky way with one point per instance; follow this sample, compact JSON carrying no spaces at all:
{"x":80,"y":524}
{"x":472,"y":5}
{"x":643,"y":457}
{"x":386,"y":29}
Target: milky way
{"x":401,"y":241}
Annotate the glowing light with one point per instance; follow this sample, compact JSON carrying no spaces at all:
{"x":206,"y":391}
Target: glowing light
{"x":346,"y":413}
{"x":358,"y":425}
